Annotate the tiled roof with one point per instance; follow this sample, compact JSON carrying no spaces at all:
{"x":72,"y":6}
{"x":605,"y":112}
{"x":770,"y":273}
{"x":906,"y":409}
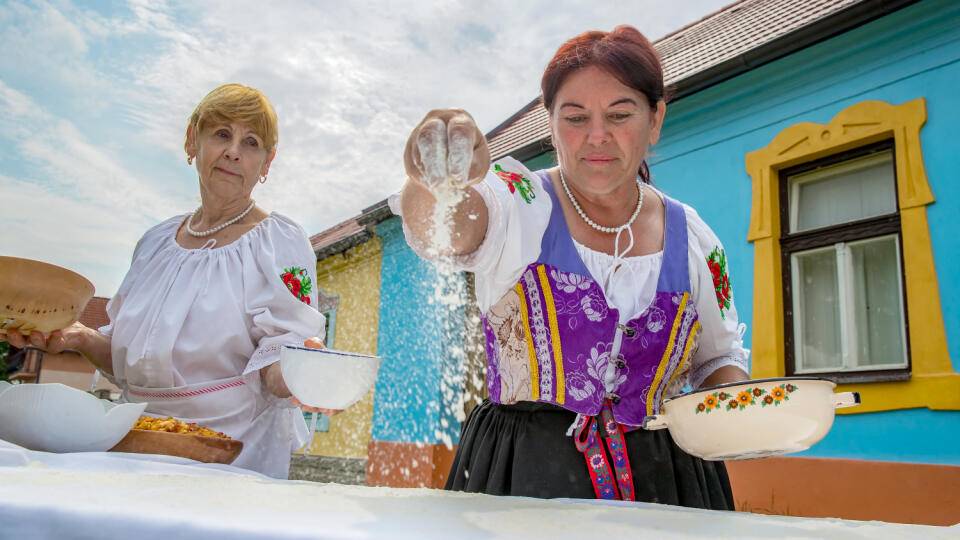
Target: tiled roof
{"x":529,"y":125}
{"x":338,"y":232}
{"x":349,"y":233}
{"x":711,"y":50}
{"x":95,"y":314}
{"x":735,"y":29}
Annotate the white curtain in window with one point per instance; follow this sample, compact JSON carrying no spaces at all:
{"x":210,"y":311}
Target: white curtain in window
{"x":877,"y":302}
{"x":816,"y":301}
{"x":853,"y":190}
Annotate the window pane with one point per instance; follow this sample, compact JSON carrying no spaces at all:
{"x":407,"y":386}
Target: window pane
{"x":849,"y":191}
{"x":816,"y":310}
{"x":877,"y":302}
{"x":331,"y":317}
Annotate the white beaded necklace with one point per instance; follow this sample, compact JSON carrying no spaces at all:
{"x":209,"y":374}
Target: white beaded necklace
{"x":208,"y":232}
{"x":594,"y":224}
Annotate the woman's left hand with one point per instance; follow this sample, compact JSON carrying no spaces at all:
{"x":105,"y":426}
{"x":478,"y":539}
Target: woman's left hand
{"x":314,"y":343}
{"x":723,"y":375}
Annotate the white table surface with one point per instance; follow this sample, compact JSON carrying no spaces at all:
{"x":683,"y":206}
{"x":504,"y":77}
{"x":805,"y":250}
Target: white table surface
{"x":112,"y":495}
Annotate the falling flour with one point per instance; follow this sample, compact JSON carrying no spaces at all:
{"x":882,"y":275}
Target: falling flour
{"x":450,"y":295}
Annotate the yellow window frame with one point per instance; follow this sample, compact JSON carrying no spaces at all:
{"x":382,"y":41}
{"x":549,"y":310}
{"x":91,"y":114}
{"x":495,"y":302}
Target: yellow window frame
{"x":933,"y":383}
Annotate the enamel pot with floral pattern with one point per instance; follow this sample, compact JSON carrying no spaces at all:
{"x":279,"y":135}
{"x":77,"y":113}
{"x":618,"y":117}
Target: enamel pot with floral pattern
{"x":752,"y":419}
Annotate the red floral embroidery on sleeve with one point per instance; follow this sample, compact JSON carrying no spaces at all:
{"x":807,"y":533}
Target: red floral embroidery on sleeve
{"x":516,"y":182}
{"x":298,"y":283}
{"x":717,"y":262}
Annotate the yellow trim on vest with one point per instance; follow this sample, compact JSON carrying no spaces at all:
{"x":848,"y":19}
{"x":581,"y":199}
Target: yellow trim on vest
{"x":651,"y":394}
{"x":551,"y":310}
{"x":686,"y":353}
{"x":534,"y":366}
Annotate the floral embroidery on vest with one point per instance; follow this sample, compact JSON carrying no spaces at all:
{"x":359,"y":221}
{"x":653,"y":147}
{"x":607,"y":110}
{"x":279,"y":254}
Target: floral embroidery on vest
{"x":516,"y":182}
{"x":717,"y":262}
{"x":298,"y":283}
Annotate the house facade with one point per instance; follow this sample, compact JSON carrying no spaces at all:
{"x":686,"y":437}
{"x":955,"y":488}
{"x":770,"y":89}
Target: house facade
{"x":816,"y":139}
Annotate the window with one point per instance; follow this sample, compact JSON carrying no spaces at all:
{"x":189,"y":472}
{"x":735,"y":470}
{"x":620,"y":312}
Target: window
{"x":327,"y":305}
{"x":331,"y":317}
{"x":869,"y":235}
{"x":843,"y":283}
{"x":323,"y":423}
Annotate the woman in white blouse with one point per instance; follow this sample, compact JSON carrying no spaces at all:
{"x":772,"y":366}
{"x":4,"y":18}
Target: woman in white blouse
{"x":600,"y":295}
{"x":197,"y":324}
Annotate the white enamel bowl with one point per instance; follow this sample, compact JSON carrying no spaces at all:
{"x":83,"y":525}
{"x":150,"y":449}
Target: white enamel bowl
{"x":752,"y":419}
{"x":56,"y":418}
{"x":327,"y":378}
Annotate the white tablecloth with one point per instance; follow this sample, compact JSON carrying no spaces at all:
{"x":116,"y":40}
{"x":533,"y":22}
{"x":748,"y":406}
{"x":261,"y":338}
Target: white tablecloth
{"x":111,"y":495}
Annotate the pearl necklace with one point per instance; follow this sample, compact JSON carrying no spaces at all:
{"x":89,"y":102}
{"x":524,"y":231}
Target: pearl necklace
{"x":208,"y":232}
{"x":594,"y":224}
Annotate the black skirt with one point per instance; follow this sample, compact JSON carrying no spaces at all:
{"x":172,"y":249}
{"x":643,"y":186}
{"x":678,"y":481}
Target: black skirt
{"x":523,"y":450}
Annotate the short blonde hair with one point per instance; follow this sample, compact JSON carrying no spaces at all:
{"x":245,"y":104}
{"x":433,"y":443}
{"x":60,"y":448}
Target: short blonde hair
{"x":237,"y":103}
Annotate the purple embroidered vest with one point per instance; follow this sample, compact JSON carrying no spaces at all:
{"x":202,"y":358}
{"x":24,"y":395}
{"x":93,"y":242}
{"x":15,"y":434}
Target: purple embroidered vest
{"x":551,"y":337}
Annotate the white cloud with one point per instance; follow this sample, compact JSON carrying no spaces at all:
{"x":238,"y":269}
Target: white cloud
{"x":95,"y":104}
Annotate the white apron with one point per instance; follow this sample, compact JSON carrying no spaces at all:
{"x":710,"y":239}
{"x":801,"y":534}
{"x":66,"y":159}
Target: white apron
{"x":191,"y":328}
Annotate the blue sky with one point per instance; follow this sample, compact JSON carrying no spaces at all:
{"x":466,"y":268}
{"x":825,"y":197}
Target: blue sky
{"x":94,"y":99}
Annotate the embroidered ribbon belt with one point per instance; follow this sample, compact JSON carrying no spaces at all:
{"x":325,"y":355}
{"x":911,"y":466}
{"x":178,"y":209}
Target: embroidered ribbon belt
{"x":185,"y":391}
{"x":608,"y":484}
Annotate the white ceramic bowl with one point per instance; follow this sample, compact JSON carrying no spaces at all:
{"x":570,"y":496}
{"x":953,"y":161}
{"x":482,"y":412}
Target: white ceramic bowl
{"x":752,"y":419}
{"x":327,"y":378}
{"x":56,"y":418}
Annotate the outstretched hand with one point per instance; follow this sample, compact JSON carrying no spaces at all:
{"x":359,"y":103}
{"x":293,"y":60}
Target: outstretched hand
{"x":447,"y":146}
{"x":314,"y":343}
{"x":53,"y":342}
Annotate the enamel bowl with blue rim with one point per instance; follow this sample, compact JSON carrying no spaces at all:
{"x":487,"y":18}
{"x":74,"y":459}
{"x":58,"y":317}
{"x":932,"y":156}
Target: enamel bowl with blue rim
{"x":327,"y":378}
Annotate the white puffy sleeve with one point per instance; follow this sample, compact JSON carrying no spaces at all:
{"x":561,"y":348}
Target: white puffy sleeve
{"x":143,"y":253}
{"x":721,"y":342}
{"x":518,"y":211}
{"x":280,"y":291}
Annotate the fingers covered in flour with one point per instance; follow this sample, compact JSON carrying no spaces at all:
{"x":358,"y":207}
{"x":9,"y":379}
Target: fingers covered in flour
{"x":446,"y":147}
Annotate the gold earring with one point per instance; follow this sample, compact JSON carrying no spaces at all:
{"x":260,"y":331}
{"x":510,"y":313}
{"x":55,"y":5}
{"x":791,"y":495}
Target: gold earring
{"x":189,"y":160}
{"x":263,"y":179}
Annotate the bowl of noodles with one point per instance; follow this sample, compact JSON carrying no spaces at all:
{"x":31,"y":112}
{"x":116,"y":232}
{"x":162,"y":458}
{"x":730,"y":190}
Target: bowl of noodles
{"x":172,"y":437}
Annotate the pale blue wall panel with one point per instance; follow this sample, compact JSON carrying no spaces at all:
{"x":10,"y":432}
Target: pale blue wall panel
{"x":912,"y":53}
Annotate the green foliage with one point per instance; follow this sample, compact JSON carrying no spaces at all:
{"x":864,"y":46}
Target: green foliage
{"x":4,"y":349}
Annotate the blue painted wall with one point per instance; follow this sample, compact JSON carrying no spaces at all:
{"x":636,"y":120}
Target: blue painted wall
{"x":912,"y":53}
{"x":411,"y":403}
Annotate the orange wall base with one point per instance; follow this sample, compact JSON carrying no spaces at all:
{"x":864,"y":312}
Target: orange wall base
{"x":848,"y":489}
{"x":791,"y":486}
{"x":408,"y":464}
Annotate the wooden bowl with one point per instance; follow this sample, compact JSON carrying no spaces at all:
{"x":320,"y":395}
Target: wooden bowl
{"x":188,"y":445}
{"x":38,"y":296}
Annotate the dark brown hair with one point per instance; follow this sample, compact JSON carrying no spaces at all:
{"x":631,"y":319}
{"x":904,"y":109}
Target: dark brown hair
{"x":624,"y":53}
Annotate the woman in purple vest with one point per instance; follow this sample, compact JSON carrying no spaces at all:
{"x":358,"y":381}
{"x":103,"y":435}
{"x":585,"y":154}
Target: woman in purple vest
{"x":600,"y":295}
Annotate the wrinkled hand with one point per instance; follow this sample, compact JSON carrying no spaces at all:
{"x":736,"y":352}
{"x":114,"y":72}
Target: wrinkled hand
{"x":446,"y":147}
{"x":314,"y":343}
{"x":55,"y":342}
